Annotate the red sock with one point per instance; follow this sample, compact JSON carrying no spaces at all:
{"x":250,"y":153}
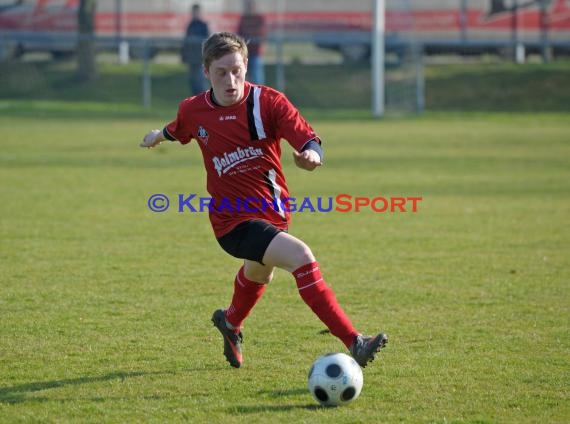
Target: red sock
{"x":321,"y":299}
{"x":246,"y":295}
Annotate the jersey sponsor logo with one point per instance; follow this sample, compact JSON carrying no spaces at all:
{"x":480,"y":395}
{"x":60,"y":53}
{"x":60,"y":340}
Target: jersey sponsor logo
{"x":203,"y":135}
{"x":229,"y":160}
{"x":228,"y":118}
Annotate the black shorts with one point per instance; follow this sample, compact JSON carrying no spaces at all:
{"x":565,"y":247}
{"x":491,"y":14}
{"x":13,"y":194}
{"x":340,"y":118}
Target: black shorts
{"x":249,"y":240}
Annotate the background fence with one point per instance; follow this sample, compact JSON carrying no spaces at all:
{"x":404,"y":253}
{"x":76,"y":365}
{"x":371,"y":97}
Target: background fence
{"x":318,"y":52}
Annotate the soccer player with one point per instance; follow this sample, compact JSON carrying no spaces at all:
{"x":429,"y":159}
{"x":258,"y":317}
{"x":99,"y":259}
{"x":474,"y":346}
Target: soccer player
{"x":238,"y":127}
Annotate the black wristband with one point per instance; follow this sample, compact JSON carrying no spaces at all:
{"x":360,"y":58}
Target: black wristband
{"x":313,"y":144}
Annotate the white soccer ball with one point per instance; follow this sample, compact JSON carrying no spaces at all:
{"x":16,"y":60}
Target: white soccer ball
{"x":335,"y":379}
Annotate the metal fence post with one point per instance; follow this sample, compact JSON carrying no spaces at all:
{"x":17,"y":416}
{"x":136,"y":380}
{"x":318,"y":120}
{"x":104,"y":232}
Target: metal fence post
{"x":378,"y":58}
{"x":146,"y":77}
{"x":420,"y":79}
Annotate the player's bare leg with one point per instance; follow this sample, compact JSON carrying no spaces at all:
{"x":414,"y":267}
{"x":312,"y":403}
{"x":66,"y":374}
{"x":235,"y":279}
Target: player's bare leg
{"x":287,"y":252}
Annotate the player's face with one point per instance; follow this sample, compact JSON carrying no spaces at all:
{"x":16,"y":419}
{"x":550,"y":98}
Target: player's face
{"x":227,"y":76}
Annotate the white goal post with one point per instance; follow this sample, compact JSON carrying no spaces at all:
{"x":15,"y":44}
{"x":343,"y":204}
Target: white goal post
{"x":378,"y":54}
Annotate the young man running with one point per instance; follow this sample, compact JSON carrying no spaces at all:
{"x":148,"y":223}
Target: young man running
{"x":238,"y":127}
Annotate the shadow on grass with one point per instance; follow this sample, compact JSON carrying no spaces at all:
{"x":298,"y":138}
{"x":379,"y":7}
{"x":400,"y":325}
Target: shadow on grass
{"x":19,"y":393}
{"x":282,"y":393}
{"x":256,"y":409}
{"x":276,"y":394}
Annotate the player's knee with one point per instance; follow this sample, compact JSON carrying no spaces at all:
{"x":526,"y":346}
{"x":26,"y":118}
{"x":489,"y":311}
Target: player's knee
{"x":259,"y":276}
{"x":303,"y":256}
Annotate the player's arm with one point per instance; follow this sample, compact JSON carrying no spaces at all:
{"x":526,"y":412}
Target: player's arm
{"x":152,"y":138}
{"x":310,"y":156}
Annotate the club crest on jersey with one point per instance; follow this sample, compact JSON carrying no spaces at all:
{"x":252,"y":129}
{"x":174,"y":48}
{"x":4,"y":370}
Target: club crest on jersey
{"x":203,"y":135}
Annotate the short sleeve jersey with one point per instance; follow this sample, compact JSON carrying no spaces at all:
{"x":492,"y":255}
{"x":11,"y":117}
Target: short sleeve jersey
{"x":241,"y":150}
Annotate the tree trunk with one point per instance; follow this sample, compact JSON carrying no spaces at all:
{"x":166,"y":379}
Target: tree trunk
{"x":87,"y":68}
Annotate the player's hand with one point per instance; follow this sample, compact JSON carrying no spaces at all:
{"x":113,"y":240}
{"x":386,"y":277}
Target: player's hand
{"x":151,"y":139}
{"x":309,"y":159}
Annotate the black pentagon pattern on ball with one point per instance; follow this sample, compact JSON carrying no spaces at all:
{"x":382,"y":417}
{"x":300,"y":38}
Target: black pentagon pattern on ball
{"x":348,"y":393}
{"x":333,"y":370}
{"x":321,"y":394}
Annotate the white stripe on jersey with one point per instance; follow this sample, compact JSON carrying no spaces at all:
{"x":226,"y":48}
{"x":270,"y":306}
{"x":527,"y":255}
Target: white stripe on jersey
{"x":276,"y":190}
{"x":257,"y":113}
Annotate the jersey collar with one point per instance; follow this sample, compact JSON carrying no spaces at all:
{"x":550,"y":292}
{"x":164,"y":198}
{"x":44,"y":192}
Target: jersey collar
{"x":210,"y":98}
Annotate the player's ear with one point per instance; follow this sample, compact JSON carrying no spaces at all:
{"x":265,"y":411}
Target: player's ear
{"x":206,"y":72}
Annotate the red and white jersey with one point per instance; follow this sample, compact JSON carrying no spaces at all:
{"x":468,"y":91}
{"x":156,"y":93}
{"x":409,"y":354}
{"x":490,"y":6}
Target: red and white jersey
{"x":241,"y":150}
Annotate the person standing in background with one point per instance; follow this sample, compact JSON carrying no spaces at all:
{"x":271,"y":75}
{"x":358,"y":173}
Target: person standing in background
{"x":253,"y":29}
{"x":196,"y":32}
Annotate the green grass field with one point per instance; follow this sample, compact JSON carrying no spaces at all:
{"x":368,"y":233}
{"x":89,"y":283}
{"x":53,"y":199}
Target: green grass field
{"x":106,"y":305}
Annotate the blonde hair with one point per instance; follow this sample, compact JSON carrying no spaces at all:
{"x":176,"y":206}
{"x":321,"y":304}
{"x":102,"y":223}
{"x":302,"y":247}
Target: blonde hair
{"x":220,"y":44}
